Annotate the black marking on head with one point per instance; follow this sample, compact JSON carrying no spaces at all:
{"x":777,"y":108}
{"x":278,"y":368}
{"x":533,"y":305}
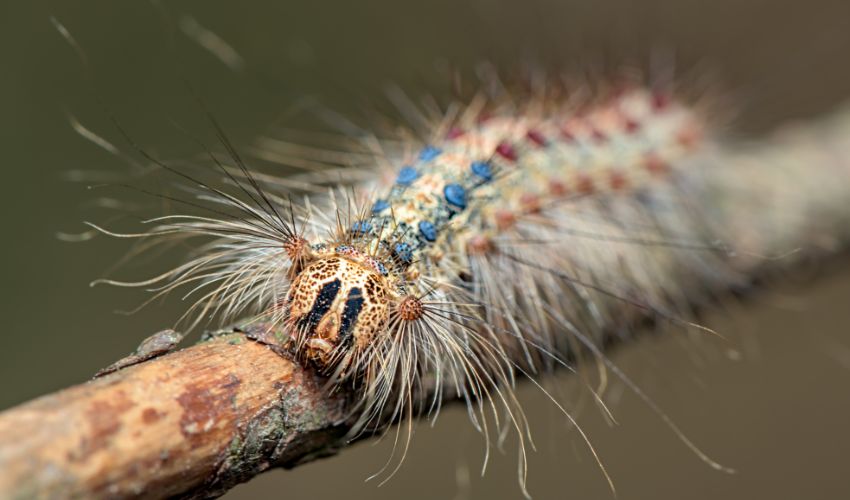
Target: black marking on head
{"x":353,"y":305}
{"x":321,"y":305}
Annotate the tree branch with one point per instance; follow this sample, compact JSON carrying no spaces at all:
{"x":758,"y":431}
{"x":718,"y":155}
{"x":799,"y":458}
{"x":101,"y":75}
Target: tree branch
{"x":192,"y":423}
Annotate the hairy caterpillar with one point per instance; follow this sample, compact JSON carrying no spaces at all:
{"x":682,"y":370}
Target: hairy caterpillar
{"x":505,"y":245}
{"x":816,"y":181}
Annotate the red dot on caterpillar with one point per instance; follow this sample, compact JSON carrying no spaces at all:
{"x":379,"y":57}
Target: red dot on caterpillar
{"x":689,"y":136}
{"x":504,"y":219}
{"x":410,"y":308}
{"x":536,"y":137}
{"x":557,"y":187}
{"x":296,"y":248}
{"x":655,"y":165}
{"x":506,"y":151}
{"x":484,"y":117}
{"x":598,"y":135}
{"x":479,"y":244}
{"x":631,"y":126}
{"x":530,"y":203}
{"x":454,"y":133}
{"x":584,"y":184}
{"x":617,"y":180}
{"x":660,"y":100}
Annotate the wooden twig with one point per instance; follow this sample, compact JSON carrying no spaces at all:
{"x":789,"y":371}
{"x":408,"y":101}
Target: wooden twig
{"x":192,"y":423}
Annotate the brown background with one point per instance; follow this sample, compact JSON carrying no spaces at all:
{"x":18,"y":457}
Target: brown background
{"x":779,"y":415}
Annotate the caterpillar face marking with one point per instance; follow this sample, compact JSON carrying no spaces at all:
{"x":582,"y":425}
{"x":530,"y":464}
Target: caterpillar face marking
{"x":337,"y":306}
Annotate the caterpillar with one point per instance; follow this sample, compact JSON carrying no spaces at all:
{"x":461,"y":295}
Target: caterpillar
{"x":506,"y":242}
{"x":558,"y":225}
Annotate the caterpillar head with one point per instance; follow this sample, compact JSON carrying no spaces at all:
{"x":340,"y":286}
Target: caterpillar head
{"x":337,"y":306}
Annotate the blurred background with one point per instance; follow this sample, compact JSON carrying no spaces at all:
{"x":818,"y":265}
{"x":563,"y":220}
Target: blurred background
{"x":772,"y":402}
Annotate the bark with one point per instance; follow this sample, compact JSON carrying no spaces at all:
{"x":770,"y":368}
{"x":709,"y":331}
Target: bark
{"x":191,"y":423}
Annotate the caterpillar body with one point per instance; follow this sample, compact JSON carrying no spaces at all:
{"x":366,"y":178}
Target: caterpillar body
{"x":510,"y":241}
{"x":408,"y":264}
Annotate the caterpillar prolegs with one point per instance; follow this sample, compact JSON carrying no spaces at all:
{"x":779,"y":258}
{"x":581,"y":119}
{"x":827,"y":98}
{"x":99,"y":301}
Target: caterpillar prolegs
{"x":501,"y":242}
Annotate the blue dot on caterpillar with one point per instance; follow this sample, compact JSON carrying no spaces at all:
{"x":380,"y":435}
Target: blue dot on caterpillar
{"x":428,"y":231}
{"x":406,"y":176}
